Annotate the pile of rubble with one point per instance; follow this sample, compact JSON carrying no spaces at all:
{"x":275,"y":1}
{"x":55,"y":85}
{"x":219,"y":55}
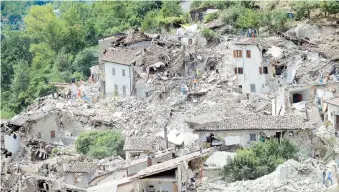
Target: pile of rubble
{"x":289,"y":176}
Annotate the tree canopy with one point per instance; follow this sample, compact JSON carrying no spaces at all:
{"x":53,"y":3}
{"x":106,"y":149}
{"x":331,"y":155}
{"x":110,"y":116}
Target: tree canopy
{"x":260,"y":159}
{"x":100,"y":144}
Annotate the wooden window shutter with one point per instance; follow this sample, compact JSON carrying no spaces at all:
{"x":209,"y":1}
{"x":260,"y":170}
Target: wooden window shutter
{"x":248,"y":53}
{"x":235,"y":71}
{"x":240,"y":53}
{"x":52,"y":134}
{"x":260,"y":70}
{"x":240,"y":70}
{"x":234,"y":53}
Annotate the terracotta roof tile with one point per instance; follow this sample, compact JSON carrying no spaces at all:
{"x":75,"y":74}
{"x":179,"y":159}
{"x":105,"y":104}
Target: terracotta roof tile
{"x":254,"y":122}
{"x":125,"y":56}
{"x":139,"y":144}
{"x":78,"y":167}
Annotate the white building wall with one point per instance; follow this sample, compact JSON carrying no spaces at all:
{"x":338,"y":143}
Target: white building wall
{"x":239,"y":137}
{"x":332,"y":109}
{"x":118,"y":79}
{"x":159,"y":185}
{"x":280,"y":102}
{"x":114,"y":176}
{"x":11,"y":144}
{"x":250,"y":67}
{"x":44,"y":126}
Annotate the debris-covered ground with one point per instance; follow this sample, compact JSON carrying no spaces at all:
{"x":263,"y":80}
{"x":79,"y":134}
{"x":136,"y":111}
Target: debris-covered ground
{"x":289,"y":176}
{"x":309,"y":52}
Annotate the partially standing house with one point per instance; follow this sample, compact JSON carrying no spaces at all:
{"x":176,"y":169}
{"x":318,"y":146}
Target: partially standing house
{"x":140,"y":147}
{"x":43,"y":125}
{"x":179,"y":174}
{"x":118,"y":67}
{"x":250,"y":68}
{"x":110,"y":169}
{"x":333,"y":112}
{"x":244,"y":129}
{"x":79,"y":174}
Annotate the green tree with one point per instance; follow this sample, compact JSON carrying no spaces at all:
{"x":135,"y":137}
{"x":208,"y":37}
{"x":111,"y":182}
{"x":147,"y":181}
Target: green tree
{"x":231,"y":15}
{"x":170,"y":9}
{"x":260,"y":159}
{"x":85,"y":59}
{"x":249,"y":19}
{"x":100,"y":144}
{"x":19,"y":98}
{"x":303,"y":8}
{"x":248,"y":4}
{"x":150,"y":23}
{"x":15,"y":47}
{"x":274,"y":21}
{"x":41,"y":71}
{"x":42,"y":24}
{"x":330,"y":7}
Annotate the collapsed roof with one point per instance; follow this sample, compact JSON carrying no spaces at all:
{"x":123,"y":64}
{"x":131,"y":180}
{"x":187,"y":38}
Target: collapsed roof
{"x":253,"y":122}
{"x":125,"y":56}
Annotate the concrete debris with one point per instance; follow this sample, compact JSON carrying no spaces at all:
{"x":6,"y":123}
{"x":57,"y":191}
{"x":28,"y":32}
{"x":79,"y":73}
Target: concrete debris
{"x":178,"y":78}
{"x":290,"y":176}
{"x":218,"y":159}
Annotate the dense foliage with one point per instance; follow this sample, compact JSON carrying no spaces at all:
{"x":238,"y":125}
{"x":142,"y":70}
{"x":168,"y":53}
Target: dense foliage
{"x":100,"y":144}
{"x":260,"y":159}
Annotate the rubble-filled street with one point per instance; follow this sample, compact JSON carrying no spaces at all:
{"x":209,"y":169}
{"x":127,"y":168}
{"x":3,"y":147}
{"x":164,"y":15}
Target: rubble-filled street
{"x":183,"y":112}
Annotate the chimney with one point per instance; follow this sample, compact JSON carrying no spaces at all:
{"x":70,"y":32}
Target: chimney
{"x":149,"y":161}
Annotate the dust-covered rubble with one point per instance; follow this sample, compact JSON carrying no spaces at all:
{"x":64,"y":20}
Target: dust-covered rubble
{"x":289,"y":176}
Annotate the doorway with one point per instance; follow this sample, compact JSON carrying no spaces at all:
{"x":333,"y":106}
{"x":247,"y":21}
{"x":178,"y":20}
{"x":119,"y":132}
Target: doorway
{"x":253,"y":88}
{"x":297,"y":97}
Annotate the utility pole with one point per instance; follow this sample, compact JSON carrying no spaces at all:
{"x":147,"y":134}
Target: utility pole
{"x":165,"y":134}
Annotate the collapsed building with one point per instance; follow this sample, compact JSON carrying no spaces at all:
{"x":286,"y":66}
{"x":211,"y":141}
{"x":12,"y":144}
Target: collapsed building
{"x":184,"y":88}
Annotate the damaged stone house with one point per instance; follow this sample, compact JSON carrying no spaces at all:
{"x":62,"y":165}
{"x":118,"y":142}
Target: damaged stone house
{"x":34,"y":182}
{"x":333,"y":112}
{"x":117,"y":56}
{"x":52,"y":127}
{"x":308,"y":99}
{"x":30,"y":182}
{"x":142,"y":147}
{"x":43,"y":125}
{"x":79,"y":173}
{"x":244,"y":129}
{"x":139,"y":164}
{"x":118,"y":69}
{"x":179,"y":174}
{"x":251,"y":67}
{"x":111,"y":168}
{"x":10,"y":137}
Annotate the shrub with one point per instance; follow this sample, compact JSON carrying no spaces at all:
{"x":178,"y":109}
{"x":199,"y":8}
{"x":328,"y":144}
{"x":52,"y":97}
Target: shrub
{"x":303,"y":9}
{"x":208,"y":34}
{"x":211,"y":17}
{"x":260,"y":159}
{"x":100,"y":144}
